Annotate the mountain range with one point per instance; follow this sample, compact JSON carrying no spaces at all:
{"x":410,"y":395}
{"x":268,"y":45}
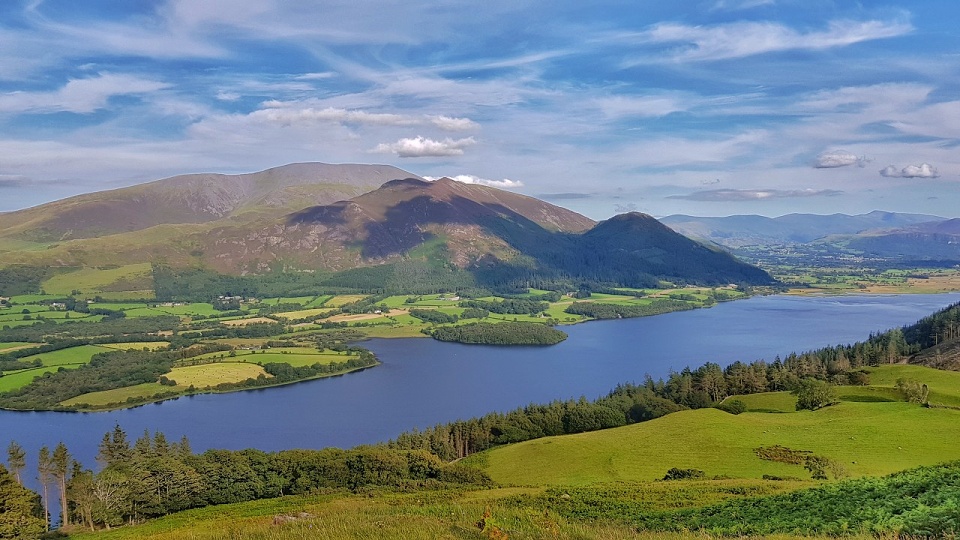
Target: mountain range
{"x":880,"y":234}
{"x":312,"y":217}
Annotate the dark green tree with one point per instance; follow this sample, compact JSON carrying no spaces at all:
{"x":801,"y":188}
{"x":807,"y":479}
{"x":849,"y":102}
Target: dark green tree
{"x":813,"y":394}
{"x":17,"y":460}
{"x":20,"y":513}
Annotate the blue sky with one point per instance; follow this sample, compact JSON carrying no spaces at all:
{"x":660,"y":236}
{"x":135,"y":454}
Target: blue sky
{"x":705,"y":107}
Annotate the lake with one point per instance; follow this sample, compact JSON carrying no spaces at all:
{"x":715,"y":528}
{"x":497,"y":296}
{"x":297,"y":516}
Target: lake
{"x":423,"y":382}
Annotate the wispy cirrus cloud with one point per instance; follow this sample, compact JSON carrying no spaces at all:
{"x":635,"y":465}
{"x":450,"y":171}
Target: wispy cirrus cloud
{"x":728,"y":195}
{"x":81,"y":96}
{"x":750,"y":38}
{"x":289,"y":113}
{"x":423,"y":147}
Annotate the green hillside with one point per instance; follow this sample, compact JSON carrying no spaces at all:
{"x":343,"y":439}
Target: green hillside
{"x":867,"y":438}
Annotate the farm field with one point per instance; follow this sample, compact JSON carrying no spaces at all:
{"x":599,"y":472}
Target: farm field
{"x":152,"y":345}
{"x":63,"y":357}
{"x":119,"y":395}
{"x":211,"y":375}
{"x":344,"y":299}
{"x":13,"y":380}
{"x":303,"y":314}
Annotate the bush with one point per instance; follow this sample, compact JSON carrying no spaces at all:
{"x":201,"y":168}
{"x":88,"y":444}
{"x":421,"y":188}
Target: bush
{"x":684,"y":474}
{"x":733,"y":406}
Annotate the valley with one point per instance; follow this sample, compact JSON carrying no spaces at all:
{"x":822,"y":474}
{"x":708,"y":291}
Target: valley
{"x":273,"y":294}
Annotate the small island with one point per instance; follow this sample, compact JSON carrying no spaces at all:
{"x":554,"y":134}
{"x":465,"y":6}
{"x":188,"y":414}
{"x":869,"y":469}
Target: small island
{"x":505,"y":333}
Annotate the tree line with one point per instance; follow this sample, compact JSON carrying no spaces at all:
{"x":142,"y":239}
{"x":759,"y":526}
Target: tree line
{"x":152,"y":477}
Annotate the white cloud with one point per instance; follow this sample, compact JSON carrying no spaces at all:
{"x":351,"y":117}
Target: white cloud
{"x":506,"y":183}
{"x":80,"y":96}
{"x":423,"y":147}
{"x":741,"y":39}
{"x":924,"y":170}
{"x":448,"y":123}
{"x":838,"y":158}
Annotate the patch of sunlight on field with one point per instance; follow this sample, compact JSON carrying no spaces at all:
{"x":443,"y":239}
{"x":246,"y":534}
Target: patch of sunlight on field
{"x":344,"y":299}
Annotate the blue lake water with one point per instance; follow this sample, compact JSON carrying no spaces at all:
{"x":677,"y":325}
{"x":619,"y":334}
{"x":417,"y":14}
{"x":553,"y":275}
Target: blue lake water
{"x":423,"y":382}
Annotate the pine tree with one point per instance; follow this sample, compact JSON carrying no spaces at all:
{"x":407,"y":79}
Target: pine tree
{"x":17,"y":460}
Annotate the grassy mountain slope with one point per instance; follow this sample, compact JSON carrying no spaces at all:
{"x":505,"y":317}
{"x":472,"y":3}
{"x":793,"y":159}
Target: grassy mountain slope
{"x":498,"y":236}
{"x":193,"y":198}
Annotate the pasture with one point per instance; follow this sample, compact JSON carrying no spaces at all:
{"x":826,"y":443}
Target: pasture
{"x":63,"y":357}
{"x":867,"y":438}
{"x":206,"y":375}
{"x":117,"y":396}
{"x":11,"y":380}
{"x":344,"y":299}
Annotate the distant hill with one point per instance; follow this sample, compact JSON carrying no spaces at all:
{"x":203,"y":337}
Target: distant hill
{"x":193,"y":198}
{"x":740,"y":231}
{"x":938,"y":240}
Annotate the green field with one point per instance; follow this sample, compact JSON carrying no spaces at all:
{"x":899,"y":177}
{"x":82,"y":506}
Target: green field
{"x":73,"y":355}
{"x":133,"y":277}
{"x":119,"y":395}
{"x":71,"y":358}
{"x":343,"y":299}
{"x":867,"y":438}
{"x":12,"y":380}
{"x":10,"y":346}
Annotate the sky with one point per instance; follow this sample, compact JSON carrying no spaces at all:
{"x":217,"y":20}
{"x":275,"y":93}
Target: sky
{"x":700,"y":107}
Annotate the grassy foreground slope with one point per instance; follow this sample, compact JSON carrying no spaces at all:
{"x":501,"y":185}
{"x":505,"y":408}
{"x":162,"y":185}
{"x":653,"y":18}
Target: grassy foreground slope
{"x":867,"y":438}
{"x":415,"y":516}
